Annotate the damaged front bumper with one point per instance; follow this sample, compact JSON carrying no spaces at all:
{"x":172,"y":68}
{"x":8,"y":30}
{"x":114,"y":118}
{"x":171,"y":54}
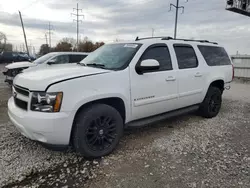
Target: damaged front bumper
{"x":8,"y":78}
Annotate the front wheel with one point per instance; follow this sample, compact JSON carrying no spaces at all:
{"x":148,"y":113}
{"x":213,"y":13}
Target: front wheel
{"x":97,"y":130}
{"x":211,"y":105}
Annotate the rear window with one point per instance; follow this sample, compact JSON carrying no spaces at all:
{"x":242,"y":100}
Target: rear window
{"x":214,"y":56}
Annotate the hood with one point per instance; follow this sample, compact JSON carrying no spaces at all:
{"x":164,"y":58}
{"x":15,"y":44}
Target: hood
{"x":21,"y":64}
{"x":40,"y":79}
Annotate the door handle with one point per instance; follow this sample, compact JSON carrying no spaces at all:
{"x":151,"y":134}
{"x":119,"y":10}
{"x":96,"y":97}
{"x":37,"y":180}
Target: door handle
{"x":170,"y":78}
{"x":198,"y":74}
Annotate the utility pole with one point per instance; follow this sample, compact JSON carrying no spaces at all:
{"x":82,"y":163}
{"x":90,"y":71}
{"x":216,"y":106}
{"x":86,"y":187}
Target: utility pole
{"x":177,"y":7}
{"x":24,"y":33}
{"x":30,"y":48}
{"x":46,"y":38}
{"x":49,"y":35}
{"x":153,"y":31}
{"x":77,"y":23}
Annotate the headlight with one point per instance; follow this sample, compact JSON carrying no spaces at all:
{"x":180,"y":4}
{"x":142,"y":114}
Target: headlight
{"x":46,"y":102}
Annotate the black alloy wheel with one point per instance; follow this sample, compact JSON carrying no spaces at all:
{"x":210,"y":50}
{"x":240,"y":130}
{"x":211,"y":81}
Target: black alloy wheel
{"x":101,"y":132}
{"x":97,"y":130}
{"x":211,"y":105}
{"x":214,"y":103}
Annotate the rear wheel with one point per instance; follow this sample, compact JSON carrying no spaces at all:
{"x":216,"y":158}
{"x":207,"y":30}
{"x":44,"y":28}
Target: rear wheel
{"x":97,"y":130}
{"x":211,"y":105}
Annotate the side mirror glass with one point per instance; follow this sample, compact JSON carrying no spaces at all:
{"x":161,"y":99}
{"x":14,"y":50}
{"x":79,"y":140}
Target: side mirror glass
{"x":148,"y":66}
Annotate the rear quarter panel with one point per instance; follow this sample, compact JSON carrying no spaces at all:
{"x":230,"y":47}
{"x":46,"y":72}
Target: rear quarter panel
{"x":214,"y":73}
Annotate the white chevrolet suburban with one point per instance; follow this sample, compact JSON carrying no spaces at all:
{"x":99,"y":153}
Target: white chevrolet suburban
{"x":122,"y":84}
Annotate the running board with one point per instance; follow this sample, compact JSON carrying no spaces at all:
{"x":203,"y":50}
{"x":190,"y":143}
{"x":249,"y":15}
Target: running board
{"x":153,"y":119}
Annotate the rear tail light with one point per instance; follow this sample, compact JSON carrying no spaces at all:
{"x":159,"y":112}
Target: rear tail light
{"x":233,"y":72}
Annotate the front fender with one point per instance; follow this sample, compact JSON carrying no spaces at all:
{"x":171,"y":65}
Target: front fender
{"x":86,"y":99}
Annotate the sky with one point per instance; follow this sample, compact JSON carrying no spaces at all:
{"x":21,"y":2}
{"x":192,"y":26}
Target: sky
{"x":108,"y":20}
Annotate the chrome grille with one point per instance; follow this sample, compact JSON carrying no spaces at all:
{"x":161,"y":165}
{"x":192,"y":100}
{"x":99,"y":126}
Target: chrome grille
{"x":21,"y":97}
{"x":21,"y":104}
{"x":22,"y":90}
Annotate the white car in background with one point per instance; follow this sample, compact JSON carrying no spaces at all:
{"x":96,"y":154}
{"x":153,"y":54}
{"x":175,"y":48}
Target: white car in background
{"x":53,"y":58}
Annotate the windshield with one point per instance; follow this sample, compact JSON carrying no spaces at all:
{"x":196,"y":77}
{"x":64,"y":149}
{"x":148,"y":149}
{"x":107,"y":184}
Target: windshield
{"x":112,"y":56}
{"x":44,"y":58}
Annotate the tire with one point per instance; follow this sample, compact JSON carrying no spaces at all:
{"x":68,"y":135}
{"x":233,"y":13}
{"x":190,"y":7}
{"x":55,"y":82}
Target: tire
{"x":97,"y":130}
{"x":211,"y":105}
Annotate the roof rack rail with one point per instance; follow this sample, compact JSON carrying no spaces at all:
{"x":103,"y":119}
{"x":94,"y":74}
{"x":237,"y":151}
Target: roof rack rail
{"x":191,"y":40}
{"x":166,"y":38}
{"x":202,"y":41}
{"x":170,"y":38}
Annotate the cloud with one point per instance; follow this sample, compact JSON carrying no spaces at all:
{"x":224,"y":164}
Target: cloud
{"x":110,"y":19}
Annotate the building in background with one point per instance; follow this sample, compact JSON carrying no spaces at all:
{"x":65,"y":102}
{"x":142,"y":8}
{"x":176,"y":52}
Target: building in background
{"x":241,"y":66}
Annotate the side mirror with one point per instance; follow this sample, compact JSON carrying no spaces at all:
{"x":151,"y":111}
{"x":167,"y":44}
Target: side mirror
{"x":148,"y":66}
{"x":51,"y":62}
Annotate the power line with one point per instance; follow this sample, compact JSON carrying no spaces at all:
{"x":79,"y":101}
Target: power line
{"x":30,"y":4}
{"x":77,"y":22}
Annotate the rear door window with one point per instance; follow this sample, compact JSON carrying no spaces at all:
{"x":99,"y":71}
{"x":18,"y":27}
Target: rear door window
{"x":214,"y":56}
{"x":186,"y":56}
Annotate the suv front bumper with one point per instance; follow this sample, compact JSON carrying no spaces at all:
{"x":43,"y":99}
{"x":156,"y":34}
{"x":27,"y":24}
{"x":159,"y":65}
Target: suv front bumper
{"x":48,"y":128}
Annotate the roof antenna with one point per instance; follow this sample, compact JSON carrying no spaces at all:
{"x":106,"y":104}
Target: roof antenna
{"x":137,"y":38}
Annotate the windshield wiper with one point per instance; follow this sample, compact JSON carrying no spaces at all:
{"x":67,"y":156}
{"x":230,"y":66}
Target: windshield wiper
{"x":96,"y":65}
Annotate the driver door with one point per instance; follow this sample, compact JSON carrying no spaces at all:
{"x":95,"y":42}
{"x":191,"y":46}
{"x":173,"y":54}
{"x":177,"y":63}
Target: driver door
{"x":154,"y":92}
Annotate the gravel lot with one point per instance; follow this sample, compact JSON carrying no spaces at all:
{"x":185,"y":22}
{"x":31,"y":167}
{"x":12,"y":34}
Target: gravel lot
{"x":186,"y":151}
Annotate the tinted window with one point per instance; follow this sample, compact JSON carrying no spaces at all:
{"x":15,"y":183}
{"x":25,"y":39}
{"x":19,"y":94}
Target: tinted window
{"x":7,"y":54}
{"x":61,"y":59}
{"x":214,"y":56}
{"x":186,"y":57}
{"x":76,"y":58}
{"x":161,"y":54}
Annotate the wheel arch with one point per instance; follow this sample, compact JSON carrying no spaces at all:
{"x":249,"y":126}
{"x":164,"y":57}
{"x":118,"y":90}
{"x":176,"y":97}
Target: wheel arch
{"x":116,"y":102}
{"x":219,"y":83}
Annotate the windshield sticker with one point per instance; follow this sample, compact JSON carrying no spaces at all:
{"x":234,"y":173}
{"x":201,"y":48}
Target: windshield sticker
{"x":130,"y":46}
